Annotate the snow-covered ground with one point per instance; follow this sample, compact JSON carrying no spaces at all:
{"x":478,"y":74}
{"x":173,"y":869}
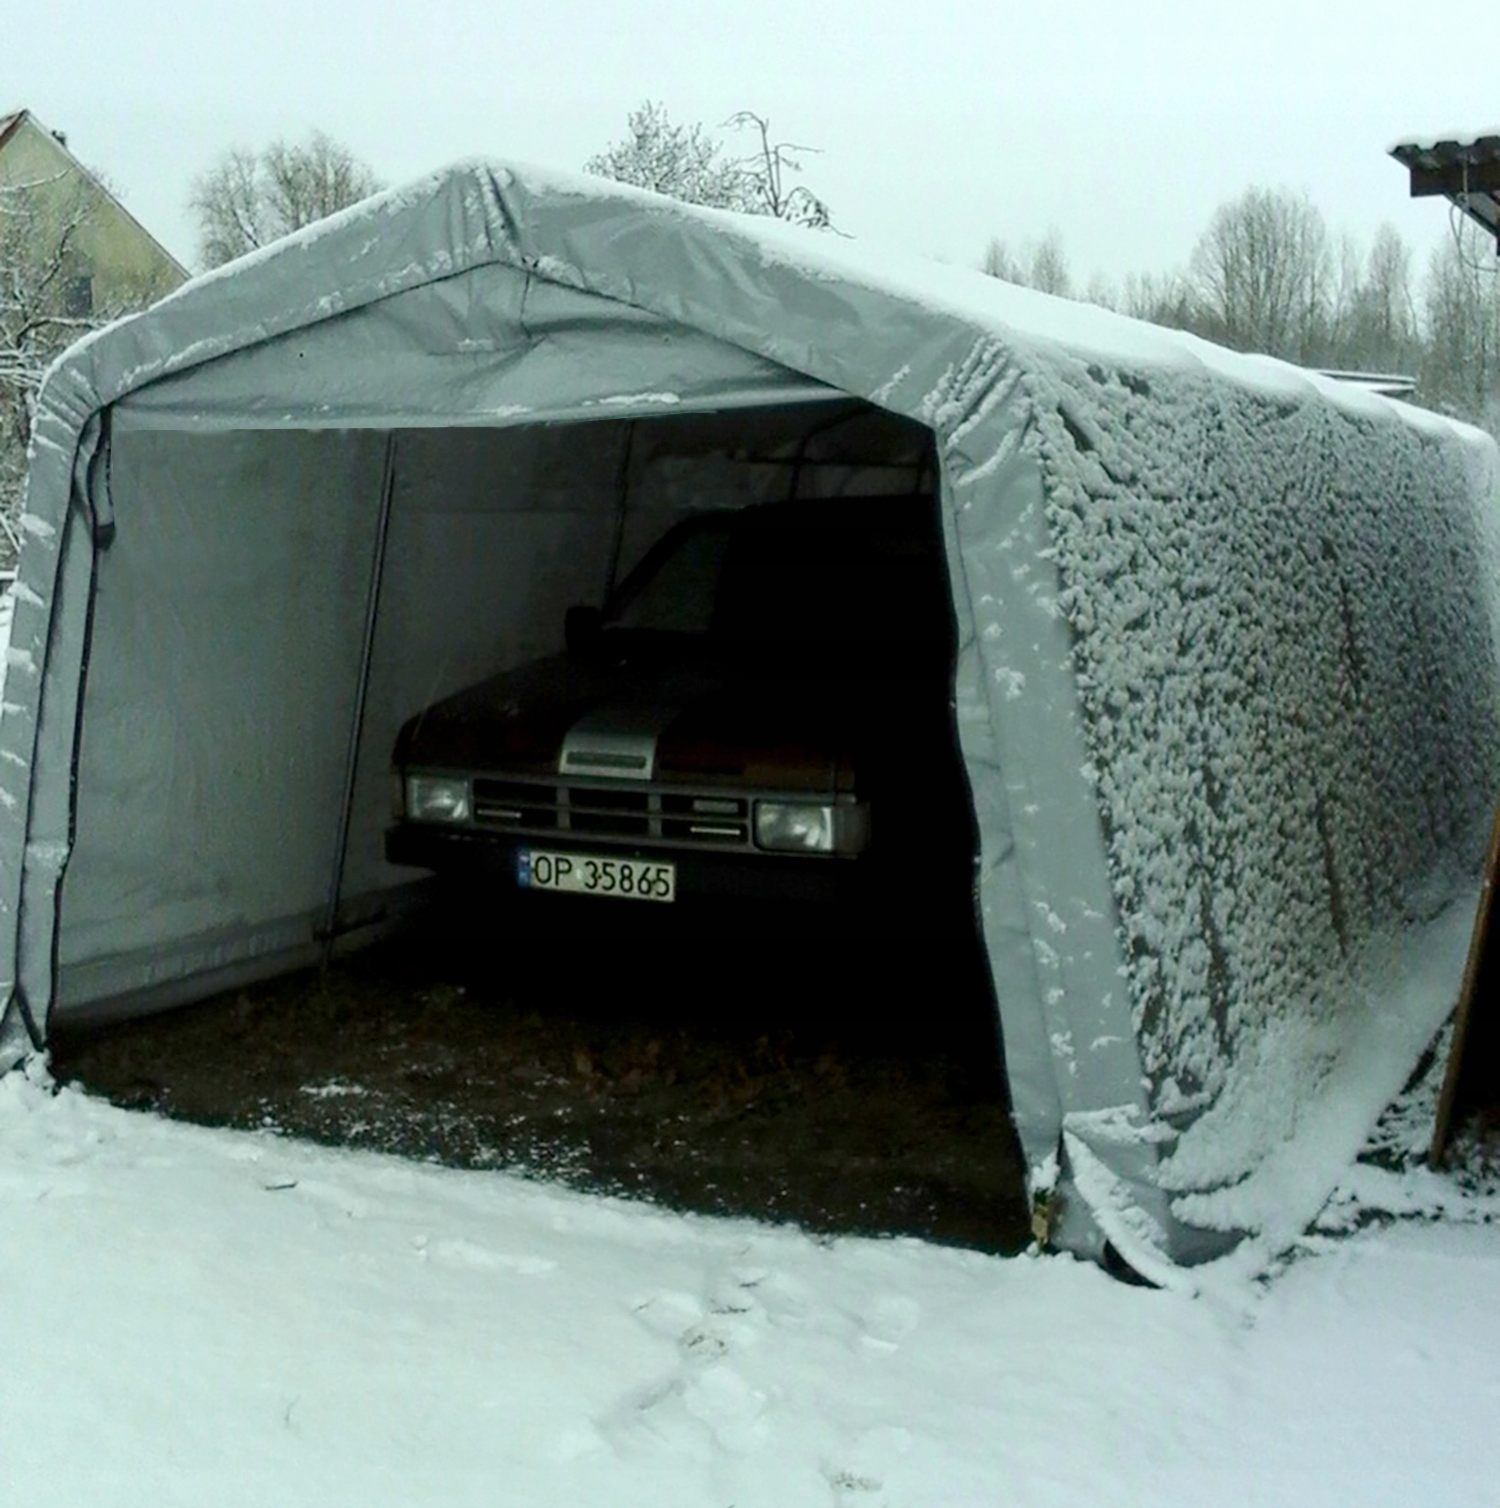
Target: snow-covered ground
{"x":206,"y":1317}
{"x":203,"y":1317}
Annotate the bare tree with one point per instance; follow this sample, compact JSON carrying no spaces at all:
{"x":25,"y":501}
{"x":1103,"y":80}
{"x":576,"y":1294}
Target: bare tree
{"x":1376,"y":316}
{"x":1000,"y":262}
{"x":1163,"y":299}
{"x":765,"y":176}
{"x":1461,"y":373}
{"x":685,"y":162}
{"x":1049,"y":266}
{"x":1262,"y":273}
{"x":1346,"y":276}
{"x":247,"y":199}
{"x":1042,"y":265}
{"x":1267,"y":276}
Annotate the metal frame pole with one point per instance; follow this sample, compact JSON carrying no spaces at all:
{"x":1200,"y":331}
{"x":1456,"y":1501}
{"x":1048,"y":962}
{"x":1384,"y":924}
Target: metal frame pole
{"x":329,"y":931}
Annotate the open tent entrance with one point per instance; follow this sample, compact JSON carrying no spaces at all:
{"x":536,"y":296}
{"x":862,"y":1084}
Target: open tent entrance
{"x":277,"y":603}
{"x":264,"y":628}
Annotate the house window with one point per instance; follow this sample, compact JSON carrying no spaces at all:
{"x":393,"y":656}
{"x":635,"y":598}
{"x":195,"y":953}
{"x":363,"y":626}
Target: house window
{"x":78,"y":297}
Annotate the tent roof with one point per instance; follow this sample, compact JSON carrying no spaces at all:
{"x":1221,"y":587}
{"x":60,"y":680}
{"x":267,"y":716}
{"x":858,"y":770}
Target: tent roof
{"x":647,"y":252}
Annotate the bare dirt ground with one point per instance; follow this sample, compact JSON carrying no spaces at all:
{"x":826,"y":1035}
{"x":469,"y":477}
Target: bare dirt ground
{"x":847,"y":1094}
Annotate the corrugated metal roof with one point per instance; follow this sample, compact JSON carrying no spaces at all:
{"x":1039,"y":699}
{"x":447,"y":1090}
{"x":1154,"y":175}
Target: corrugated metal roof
{"x":1465,"y":172}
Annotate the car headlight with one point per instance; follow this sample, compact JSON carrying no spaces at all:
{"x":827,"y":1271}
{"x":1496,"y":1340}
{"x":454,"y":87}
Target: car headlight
{"x":437,"y":798}
{"x":794,"y":826}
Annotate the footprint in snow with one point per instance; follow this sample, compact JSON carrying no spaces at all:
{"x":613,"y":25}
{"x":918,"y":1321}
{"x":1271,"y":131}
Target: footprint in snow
{"x":728,"y":1406}
{"x":669,"y":1314}
{"x":845,"y":1482}
{"x":466,"y":1254}
{"x":887,"y":1322}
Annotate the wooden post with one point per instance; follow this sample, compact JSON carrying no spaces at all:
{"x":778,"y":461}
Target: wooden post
{"x":1472,"y":1079}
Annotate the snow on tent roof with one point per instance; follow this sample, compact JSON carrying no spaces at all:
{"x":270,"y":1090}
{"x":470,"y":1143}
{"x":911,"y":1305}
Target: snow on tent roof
{"x":1228,"y":647}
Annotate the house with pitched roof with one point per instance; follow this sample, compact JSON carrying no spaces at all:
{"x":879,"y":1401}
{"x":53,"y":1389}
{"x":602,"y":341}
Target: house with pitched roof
{"x":72,"y":257}
{"x":109,"y":260}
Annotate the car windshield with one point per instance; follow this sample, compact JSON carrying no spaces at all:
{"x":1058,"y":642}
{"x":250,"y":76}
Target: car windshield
{"x":861,"y":572}
{"x":672,"y":591}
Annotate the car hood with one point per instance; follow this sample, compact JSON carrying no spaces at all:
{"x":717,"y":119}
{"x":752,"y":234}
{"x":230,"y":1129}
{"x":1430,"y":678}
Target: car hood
{"x":694,"y":722}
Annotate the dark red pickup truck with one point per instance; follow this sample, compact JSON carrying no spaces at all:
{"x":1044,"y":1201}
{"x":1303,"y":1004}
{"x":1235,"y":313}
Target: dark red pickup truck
{"x":760,"y":713}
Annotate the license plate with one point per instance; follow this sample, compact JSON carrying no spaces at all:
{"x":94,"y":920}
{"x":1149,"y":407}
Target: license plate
{"x":587,"y":874}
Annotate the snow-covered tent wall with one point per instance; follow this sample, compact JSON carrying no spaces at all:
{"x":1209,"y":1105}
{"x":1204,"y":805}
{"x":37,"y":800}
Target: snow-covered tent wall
{"x":1226,"y":685}
{"x":1285,"y":631}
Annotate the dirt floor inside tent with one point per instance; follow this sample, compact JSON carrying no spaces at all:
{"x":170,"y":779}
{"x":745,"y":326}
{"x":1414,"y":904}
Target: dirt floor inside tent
{"x":845,"y":1093}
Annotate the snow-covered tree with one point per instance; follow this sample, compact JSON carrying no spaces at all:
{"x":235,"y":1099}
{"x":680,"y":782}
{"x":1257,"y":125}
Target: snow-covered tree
{"x":247,"y":199}
{"x":46,"y":302}
{"x":686,"y":162}
{"x":683,"y":162}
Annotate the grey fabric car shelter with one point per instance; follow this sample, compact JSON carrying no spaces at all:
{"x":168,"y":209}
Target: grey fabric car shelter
{"x":1226,"y":682}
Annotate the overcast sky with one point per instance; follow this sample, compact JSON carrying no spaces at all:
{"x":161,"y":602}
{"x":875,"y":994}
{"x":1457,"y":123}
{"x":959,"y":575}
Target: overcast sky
{"x":940,"y":123}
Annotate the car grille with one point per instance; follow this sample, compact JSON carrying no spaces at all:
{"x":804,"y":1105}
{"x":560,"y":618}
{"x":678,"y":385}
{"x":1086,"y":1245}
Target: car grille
{"x":616,"y":812}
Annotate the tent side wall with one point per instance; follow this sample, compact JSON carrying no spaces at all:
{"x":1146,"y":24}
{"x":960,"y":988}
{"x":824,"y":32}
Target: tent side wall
{"x":45,"y":664}
{"x":225,"y":659}
{"x":1286,"y":639}
{"x":1048,"y":911}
